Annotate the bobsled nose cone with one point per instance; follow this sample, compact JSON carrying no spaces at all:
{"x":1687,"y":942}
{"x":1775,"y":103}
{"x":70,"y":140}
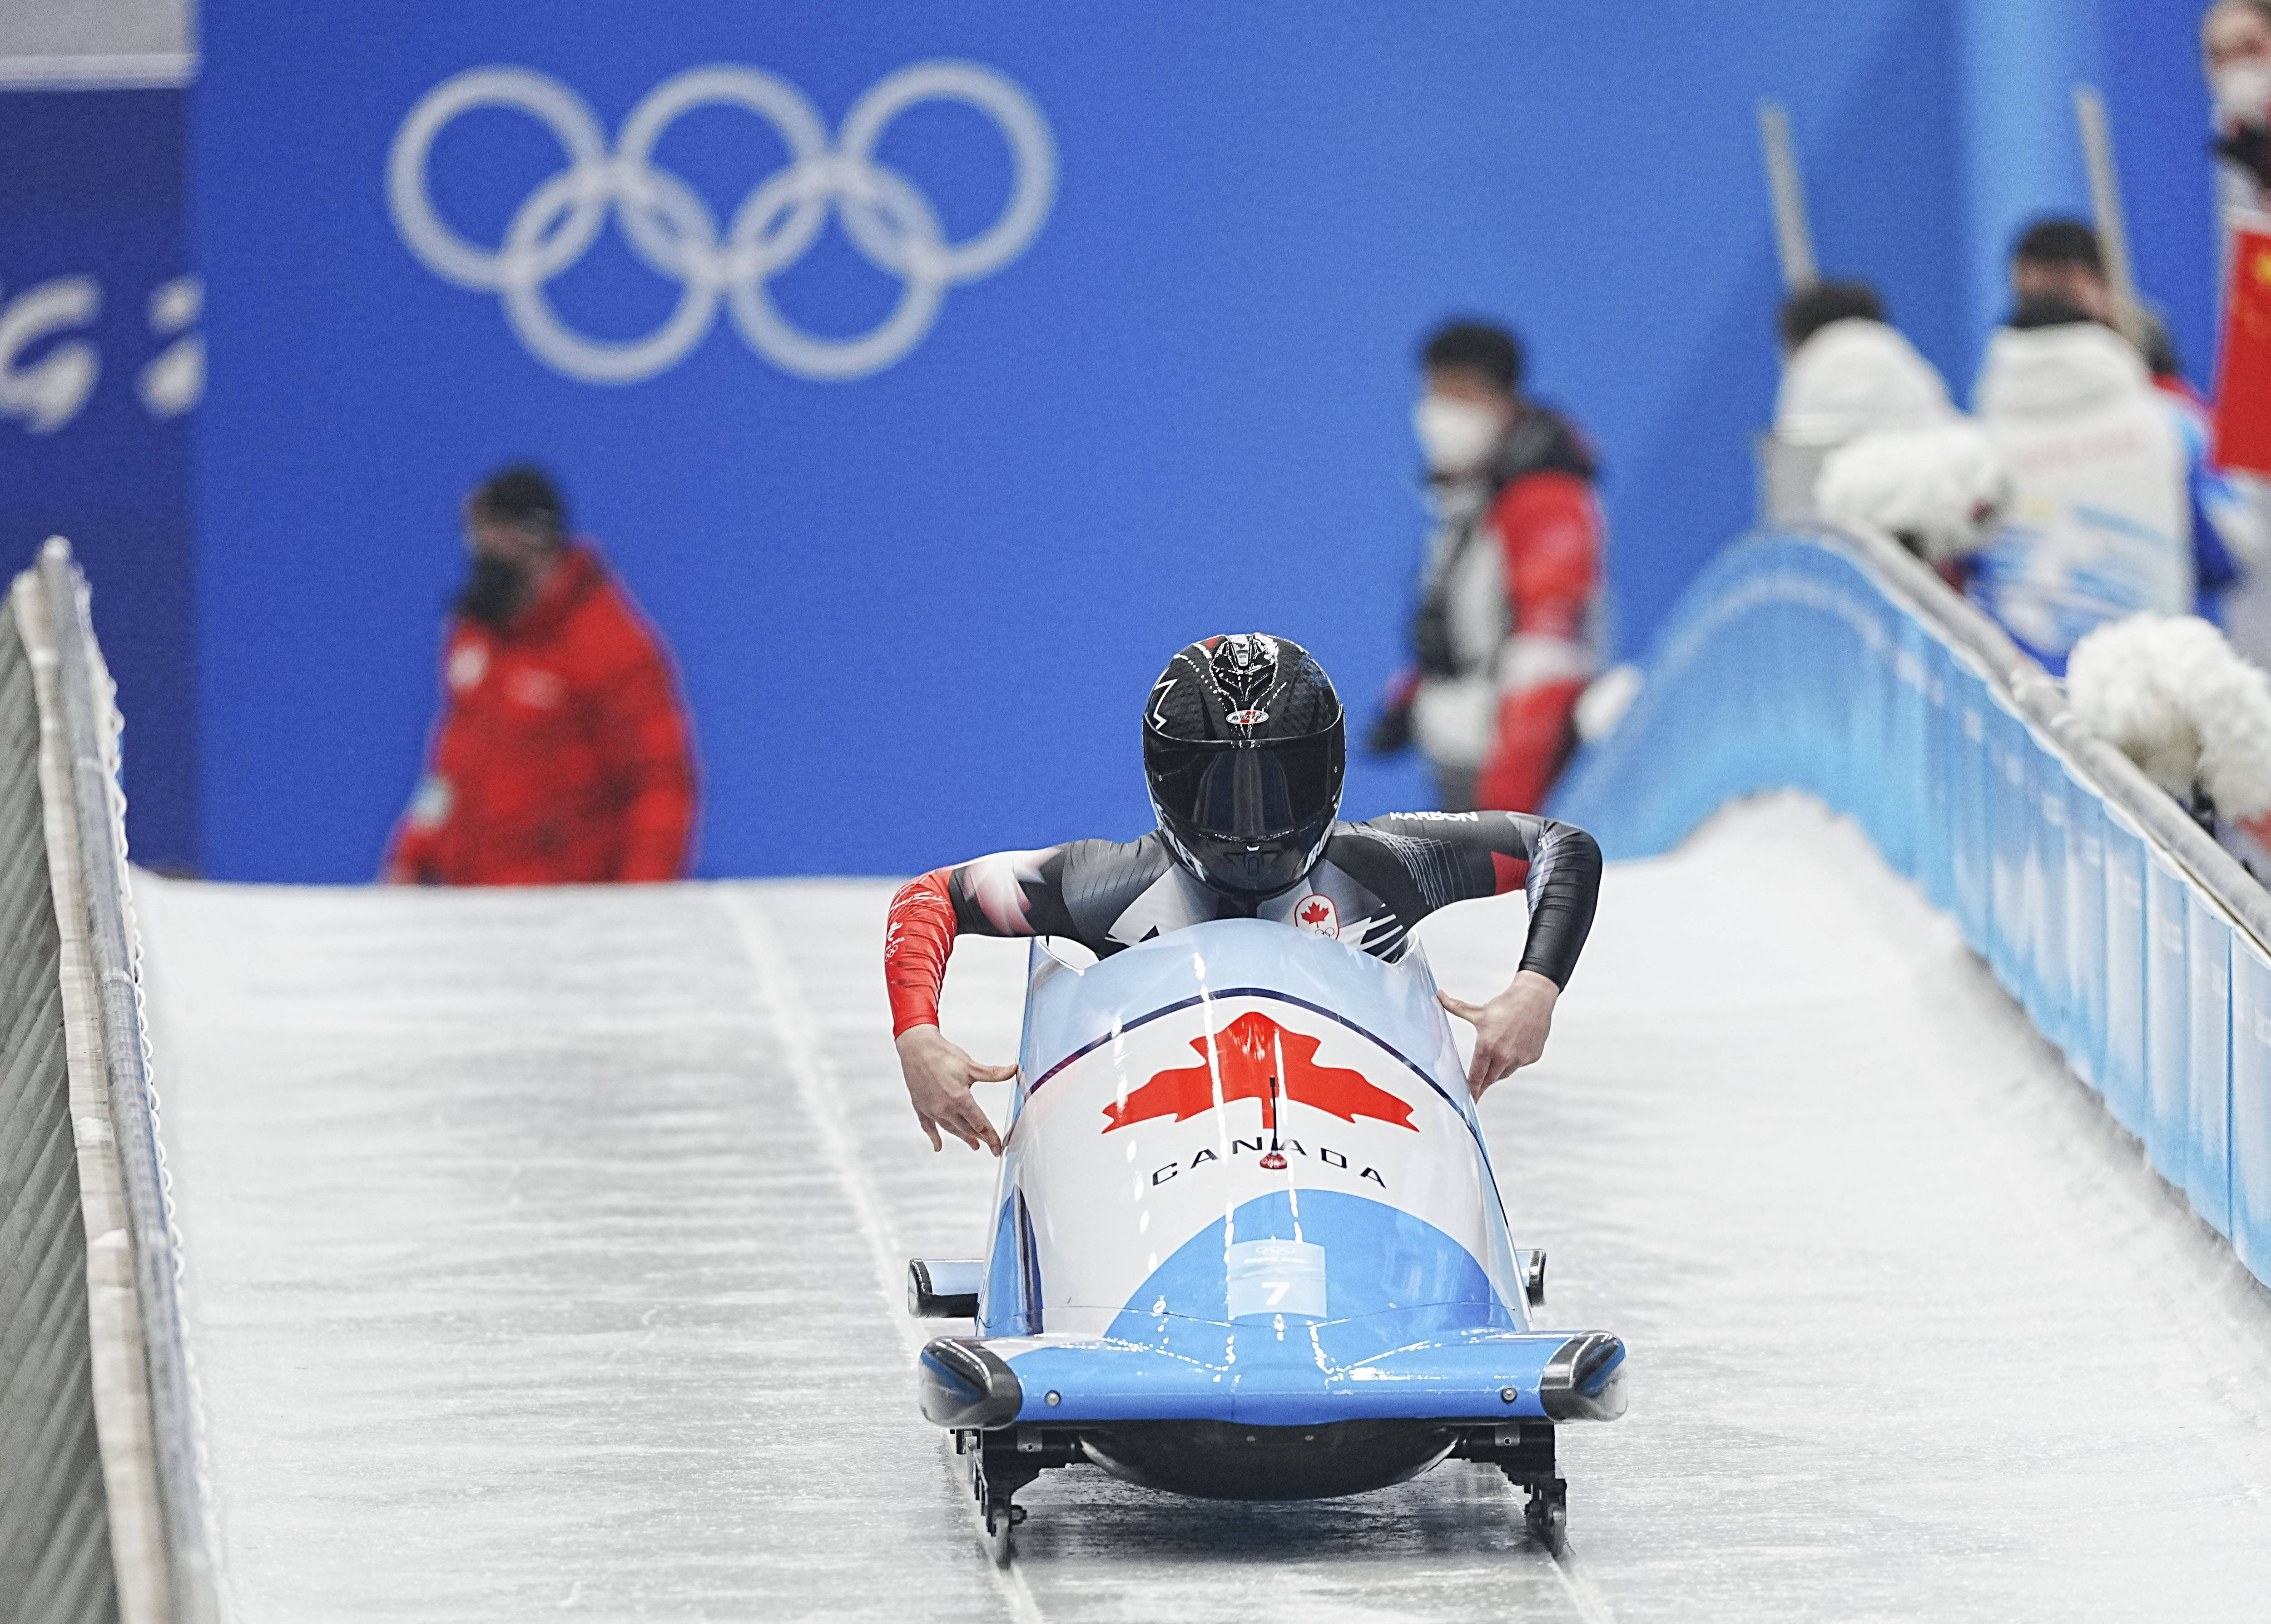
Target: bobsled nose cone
{"x":966,"y":1383}
{"x":1584,"y":1380}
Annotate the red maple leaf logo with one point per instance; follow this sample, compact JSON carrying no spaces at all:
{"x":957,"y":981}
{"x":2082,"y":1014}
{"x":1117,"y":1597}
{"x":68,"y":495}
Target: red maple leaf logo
{"x":1315,"y":911}
{"x":1260,"y":1060}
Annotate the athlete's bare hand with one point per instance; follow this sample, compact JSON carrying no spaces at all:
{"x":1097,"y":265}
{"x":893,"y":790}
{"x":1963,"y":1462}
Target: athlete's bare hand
{"x":1510,"y":1030}
{"x":939,"y":1076}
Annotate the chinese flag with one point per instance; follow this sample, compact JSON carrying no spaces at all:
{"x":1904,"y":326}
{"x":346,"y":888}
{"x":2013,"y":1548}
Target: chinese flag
{"x":2243,"y":386}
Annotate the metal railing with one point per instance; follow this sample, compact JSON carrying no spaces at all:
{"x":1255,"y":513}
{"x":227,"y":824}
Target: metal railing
{"x":2041,"y":699}
{"x":104,"y":1511}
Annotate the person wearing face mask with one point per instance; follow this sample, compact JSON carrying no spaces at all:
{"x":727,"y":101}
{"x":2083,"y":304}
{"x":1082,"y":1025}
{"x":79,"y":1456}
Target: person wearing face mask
{"x":1507,"y":633}
{"x":563,"y":754}
{"x":2236,"y":54}
{"x":2057,"y":260}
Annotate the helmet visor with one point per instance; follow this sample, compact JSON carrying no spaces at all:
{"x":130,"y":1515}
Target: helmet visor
{"x":1236,"y":791}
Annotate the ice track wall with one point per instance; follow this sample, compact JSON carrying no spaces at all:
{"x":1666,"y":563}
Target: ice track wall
{"x":54,"y":1532}
{"x":103,"y":1512}
{"x":1840,"y":665}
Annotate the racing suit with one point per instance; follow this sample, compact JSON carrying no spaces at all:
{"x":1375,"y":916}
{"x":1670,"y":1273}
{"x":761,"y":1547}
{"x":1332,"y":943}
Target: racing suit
{"x":1507,"y":634}
{"x":562,"y":754}
{"x":1373,"y":883}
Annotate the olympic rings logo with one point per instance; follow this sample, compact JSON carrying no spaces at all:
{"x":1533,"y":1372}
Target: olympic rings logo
{"x":670,"y":228}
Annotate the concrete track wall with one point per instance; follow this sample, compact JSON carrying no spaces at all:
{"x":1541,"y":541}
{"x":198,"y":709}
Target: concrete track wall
{"x":54,"y":1524}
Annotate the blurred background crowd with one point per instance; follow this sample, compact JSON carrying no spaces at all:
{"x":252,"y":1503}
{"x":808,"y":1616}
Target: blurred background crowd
{"x":1116,"y":336}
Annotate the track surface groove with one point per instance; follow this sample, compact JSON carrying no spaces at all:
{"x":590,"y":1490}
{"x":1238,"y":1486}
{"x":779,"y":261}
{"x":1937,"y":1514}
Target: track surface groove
{"x":537,"y":1240}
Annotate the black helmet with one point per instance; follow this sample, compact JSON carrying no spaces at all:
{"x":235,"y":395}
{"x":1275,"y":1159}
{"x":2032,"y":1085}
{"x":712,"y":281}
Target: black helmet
{"x":1244,"y":754}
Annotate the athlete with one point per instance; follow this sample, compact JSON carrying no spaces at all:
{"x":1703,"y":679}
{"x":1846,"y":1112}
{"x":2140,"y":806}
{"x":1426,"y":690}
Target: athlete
{"x":1243,"y":755}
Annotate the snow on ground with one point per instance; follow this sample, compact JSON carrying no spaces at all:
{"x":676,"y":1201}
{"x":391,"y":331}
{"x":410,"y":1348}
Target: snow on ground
{"x":542,"y":1263}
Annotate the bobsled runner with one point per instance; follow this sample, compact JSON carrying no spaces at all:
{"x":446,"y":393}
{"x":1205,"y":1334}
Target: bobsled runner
{"x":1247,"y":1243}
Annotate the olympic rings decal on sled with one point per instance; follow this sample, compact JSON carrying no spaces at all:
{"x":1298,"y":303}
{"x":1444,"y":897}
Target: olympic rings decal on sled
{"x":671,"y":229}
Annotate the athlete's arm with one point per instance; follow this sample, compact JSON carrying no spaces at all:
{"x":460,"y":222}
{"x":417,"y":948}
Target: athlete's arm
{"x":1510,"y":1030}
{"x":1558,"y":866}
{"x":1004,"y":895}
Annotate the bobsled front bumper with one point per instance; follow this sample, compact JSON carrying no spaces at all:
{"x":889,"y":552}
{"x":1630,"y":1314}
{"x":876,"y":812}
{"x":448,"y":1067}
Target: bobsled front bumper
{"x":1266,"y":1379}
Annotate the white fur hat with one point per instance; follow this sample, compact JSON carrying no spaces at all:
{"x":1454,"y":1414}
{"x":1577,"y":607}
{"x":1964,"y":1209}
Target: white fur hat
{"x":1944,"y":485}
{"x":2167,"y":691}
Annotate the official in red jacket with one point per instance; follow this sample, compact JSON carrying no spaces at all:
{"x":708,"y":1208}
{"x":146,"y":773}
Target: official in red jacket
{"x":1507,"y":633}
{"x":563,"y":754}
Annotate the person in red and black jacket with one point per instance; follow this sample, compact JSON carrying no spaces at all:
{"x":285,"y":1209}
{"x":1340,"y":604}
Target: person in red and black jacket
{"x":1507,"y":634}
{"x":563,"y":754}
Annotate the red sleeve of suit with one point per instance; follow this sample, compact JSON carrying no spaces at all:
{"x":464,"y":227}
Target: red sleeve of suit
{"x":1549,"y":533}
{"x":915,"y":942}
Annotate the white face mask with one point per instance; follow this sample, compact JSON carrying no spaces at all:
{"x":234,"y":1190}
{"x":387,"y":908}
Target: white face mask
{"x":1456,"y":435}
{"x":2243,"y":92}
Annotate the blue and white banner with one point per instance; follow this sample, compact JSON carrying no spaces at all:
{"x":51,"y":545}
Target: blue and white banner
{"x":101,"y":370}
{"x":931,"y":375}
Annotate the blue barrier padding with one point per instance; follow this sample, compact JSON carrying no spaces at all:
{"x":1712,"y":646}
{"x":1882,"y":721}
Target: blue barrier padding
{"x":1935,"y":868}
{"x":1907,"y":716}
{"x":1790,"y":664}
{"x":2168,"y":1021}
{"x":2122,"y":1080}
{"x":2010,"y":926}
{"x":2208,"y":1167}
{"x":2085,"y":930}
{"x":2250,"y":1107}
{"x":2052,"y":1005}
{"x":1969,"y":809}
{"x":1934,"y":851}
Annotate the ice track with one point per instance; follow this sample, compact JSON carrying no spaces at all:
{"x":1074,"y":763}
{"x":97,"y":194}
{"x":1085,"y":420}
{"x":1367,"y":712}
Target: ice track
{"x":543,"y":1263}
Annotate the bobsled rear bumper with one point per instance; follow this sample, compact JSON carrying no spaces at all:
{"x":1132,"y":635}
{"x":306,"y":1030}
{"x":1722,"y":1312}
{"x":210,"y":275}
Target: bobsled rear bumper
{"x":1267,"y":1381}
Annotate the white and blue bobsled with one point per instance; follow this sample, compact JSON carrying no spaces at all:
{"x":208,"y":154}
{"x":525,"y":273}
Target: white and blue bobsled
{"x":1247,"y":1243}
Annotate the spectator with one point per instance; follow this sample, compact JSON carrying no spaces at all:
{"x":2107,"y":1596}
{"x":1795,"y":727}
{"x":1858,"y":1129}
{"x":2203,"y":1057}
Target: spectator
{"x":562,"y":752}
{"x":1506,"y":632}
{"x":2058,"y":259}
{"x":1847,"y":372}
{"x":2236,"y":54}
{"x":2098,"y":524}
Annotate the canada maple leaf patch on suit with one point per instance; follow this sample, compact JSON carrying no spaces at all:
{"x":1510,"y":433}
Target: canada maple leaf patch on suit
{"x":1316,"y":913}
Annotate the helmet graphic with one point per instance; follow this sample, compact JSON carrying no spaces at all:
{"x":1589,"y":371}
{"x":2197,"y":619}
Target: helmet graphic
{"x":1244,"y":754}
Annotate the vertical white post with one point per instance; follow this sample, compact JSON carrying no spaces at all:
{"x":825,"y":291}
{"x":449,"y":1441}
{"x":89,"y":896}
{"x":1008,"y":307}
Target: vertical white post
{"x":1793,"y":237}
{"x":2105,"y":205}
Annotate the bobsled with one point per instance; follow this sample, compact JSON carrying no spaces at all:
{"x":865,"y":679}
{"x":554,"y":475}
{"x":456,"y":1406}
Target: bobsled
{"x":1245,"y":1242}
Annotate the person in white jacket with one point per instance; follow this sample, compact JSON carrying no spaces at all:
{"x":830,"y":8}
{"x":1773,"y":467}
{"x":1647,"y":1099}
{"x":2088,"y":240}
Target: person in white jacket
{"x":1847,"y":371}
{"x":2098,"y":525}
